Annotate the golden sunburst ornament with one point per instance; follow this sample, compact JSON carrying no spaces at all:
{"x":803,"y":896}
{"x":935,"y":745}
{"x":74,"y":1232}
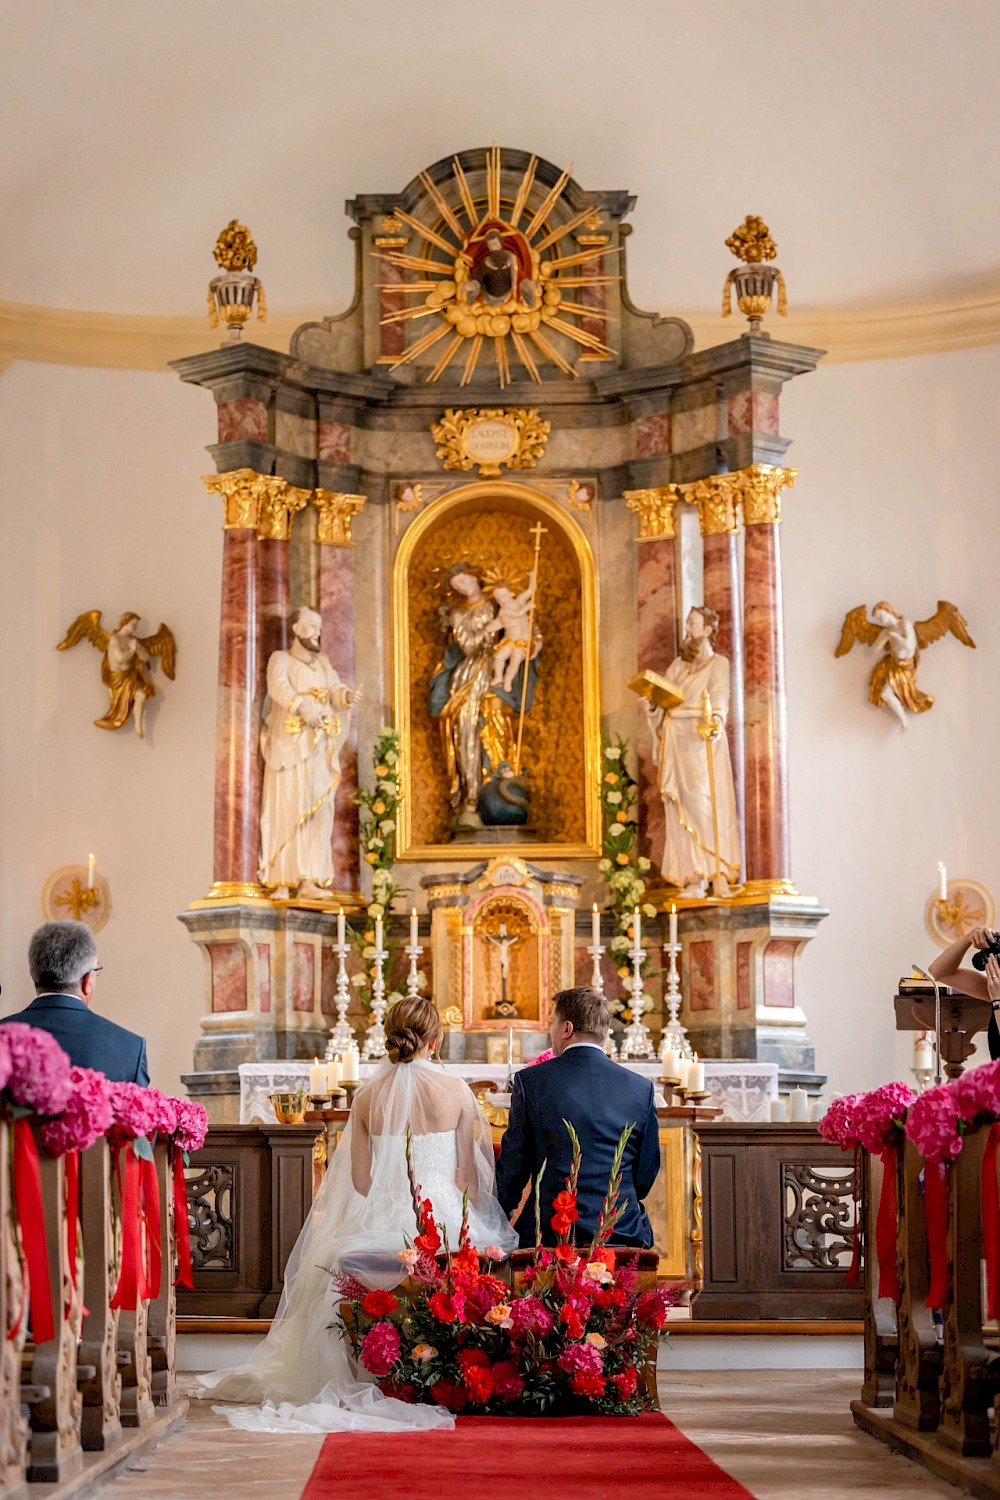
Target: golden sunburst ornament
{"x":485,"y":276}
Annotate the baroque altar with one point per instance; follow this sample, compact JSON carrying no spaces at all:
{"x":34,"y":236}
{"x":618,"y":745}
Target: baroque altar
{"x":501,"y":491}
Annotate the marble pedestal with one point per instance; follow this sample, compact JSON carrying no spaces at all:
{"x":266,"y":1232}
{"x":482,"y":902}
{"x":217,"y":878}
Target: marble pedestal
{"x":270,"y":976}
{"x":738,"y":977}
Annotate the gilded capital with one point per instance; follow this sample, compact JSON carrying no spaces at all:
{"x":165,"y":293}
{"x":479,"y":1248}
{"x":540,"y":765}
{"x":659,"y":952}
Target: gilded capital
{"x":335,"y":514}
{"x":242,"y":491}
{"x":655,"y":509}
{"x":718,"y":500}
{"x":760,"y":488}
{"x":280,"y":501}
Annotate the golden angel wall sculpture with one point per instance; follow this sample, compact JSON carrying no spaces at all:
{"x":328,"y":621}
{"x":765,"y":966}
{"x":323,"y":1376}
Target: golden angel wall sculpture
{"x":126,"y":654}
{"x":893,"y":682}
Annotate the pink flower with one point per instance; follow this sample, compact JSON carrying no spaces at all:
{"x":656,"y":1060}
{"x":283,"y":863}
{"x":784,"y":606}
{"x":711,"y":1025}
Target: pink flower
{"x":135,"y":1110}
{"x":545,"y":1056}
{"x":529,"y":1315}
{"x":598,"y":1272}
{"x":86,"y":1116}
{"x":493,"y":1252}
{"x":408,"y":1258}
{"x":581,"y":1359}
{"x":5,"y":1064}
{"x":39,"y":1077}
{"x":192,"y":1124}
{"x":507,"y":1381}
{"x":164,"y":1112}
{"x":500,"y":1315}
{"x":880,"y":1115}
{"x":933,"y":1124}
{"x":978,"y":1092}
{"x":380,"y":1348}
{"x":839,"y":1124}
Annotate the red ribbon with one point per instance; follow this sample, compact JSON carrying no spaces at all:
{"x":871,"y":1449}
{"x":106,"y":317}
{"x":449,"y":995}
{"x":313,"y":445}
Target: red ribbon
{"x":991,"y":1221}
{"x":72,"y":1164}
{"x":132,"y":1287}
{"x":182,"y":1225}
{"x":854,"y":1273}
{"x":936,"y":1212}
{"x":27,"y":1186}
{"x":151,"y":1215}
{"x":886,"y":1227}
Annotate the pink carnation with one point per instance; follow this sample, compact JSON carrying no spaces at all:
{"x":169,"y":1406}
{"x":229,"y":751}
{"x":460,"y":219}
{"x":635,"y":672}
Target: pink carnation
{"x":581,"y":1359}
{"x":86,"y":1117}
{"x":135,"y":1110}
{"x":977,"y":1093}
{"x":881,"y":1114}
{"x":839,"y":1124}
{"x":192,"y":1124}
{"x":529,"y":1315}
{"x":5,"y":1063}
{"x":934,"y":1124}
{"x":380,"y":1348}
{"x":39,"y":1077}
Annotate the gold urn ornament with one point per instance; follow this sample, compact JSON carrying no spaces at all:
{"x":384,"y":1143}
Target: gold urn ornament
{"x":231,"y":296}
{"x":754,"y":281}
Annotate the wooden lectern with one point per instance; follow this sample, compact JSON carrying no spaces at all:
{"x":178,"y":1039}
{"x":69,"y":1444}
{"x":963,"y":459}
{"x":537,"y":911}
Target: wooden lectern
{"x":961,"y":1017}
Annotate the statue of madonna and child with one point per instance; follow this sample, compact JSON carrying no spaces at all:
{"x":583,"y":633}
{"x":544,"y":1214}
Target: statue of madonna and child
{"x":480,"y":693}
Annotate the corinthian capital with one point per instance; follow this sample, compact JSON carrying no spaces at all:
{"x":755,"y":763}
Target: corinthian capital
{"x":655,"y":509}
{"x":717,"y":498}
{"x":760,"y":488}
{"x":242,"y":492}
{"x":335,"y":515}
{"x":280,"y":501}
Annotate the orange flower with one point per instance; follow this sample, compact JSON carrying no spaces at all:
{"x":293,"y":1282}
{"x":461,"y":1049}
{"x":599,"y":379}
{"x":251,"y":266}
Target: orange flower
{"x":621,"y":859}
{"x":611,"y":779}
{"x":621,"y":817}
{"x":372,"y":858}
{"x":381,"y":770}
{"x":378,"y":807}
{"x":623,"y":972}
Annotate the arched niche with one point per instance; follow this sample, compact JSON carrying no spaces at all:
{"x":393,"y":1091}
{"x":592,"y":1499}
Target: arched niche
{"x":489,"y":525}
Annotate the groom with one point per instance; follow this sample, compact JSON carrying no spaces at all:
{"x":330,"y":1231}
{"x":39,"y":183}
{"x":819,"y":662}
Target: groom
{"x":599,"y":1098}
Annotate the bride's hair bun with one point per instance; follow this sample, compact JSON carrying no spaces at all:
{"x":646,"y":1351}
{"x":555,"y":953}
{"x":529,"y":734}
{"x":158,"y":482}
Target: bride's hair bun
{"x":409,"y":1025}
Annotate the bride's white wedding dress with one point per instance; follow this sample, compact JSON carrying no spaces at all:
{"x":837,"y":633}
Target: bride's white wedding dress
{"x":303,"y":1377}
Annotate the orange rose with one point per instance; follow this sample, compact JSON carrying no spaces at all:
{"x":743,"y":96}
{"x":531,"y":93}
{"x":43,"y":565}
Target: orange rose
{"x":378,"y":807}
{"x":621,"y":859}
{"x":621,"y":817}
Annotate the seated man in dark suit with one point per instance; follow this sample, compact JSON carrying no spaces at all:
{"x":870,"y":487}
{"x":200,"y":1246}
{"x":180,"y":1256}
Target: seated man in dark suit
{"x":599,"y":1098}
{"x":62,"y":960}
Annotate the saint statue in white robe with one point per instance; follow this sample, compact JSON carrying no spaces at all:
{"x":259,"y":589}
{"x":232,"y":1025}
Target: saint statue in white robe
{"x":701,"y":844}
{"x":306,"y":716}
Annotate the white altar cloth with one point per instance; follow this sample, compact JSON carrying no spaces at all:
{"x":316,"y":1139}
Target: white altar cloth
{"x":742,"y":1089}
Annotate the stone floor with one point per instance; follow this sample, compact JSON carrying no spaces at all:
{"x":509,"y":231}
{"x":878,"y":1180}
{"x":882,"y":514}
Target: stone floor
{"x":785,"y":1435}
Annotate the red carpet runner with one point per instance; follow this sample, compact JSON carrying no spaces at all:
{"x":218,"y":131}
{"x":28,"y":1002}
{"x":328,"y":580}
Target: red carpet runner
{"x":530,"y":1458}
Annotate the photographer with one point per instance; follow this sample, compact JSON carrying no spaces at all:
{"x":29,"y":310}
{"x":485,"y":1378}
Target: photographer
{"x":981,"y":982}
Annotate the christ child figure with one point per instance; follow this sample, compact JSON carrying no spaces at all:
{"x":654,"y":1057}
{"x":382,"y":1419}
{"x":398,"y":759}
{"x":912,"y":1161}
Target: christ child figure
{"x":513,"y":617}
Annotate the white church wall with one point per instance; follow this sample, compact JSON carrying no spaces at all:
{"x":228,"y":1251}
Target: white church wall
{"x":101,"y":506}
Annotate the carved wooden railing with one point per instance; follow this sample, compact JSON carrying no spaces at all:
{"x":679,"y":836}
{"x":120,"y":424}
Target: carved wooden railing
{"x":71,"y":1395}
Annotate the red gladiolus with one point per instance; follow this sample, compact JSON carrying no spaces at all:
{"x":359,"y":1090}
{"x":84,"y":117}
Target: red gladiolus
{"x":573,"y":1321}
{"x":561,"y":1224}
{"x":650,"y":1310}
{"x":564,"y":1213}
{"x":465,"y":1261}
{"x":446,"y":1308}
{"x":568,"y":1255}
{"x":377,"y":1304}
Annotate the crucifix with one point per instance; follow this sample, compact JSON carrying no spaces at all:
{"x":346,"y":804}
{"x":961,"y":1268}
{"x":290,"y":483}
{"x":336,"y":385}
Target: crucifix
{"x":504,"y":942}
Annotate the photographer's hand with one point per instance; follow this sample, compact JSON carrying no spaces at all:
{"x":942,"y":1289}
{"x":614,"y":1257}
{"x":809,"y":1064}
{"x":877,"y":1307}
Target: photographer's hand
{"x":981,"y":937}
{"x":993,"y":977}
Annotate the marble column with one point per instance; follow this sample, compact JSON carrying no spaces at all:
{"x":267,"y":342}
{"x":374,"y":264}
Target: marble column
{"x":280,"y":504}
{"x":656,"y":643}
{"x":768,"y":858}
{"x":718,"y":508}
{"x":335,"y":515}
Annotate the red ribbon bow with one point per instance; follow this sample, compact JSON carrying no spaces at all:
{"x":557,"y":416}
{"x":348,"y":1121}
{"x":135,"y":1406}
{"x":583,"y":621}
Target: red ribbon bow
{"x":182,"y":1226}
{"x":26,"y":1181}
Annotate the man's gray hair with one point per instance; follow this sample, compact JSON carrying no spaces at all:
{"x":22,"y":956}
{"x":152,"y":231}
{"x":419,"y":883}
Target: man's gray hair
{"x":60,"y":954}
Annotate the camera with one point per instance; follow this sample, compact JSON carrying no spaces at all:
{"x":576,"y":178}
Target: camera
{"x":982,"y":954}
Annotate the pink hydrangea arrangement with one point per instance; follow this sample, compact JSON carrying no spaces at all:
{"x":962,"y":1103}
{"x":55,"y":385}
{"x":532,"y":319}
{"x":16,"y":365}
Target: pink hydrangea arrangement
{"x":164,"y":1112}
{"x":135,"y":1111}
{"x":881,"y":1115}
{"x":977,"y":1093}
{"x":192,"y":1124}
{"x":545,"y":1056}
{"x":86,"y":1117}
{"x":39,"y":1076}
{"x":380,"y":1348}
{"x":935,"y":1124}
{"x":840,"y":1123}
{"x":6,"y":1065}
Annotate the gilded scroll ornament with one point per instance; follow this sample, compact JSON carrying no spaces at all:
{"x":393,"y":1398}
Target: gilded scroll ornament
{"x":655,"y":509}
{"x":335,"y":516}
{"x":231,"y":296}
{"x":759,"y":488}
{"x":754,"y":281}
{"x":492,"y":438}
{"x":127,"y":660}
{"x":893,"y":681}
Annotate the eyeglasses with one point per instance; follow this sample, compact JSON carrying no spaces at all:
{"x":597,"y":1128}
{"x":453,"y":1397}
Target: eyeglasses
{"x":97,"y":969}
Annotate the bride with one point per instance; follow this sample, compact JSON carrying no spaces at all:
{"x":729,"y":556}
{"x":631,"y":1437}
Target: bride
{"x":303,"y":1378}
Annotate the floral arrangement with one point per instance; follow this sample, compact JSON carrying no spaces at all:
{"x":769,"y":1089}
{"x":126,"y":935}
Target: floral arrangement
{"x":377,"y":833}
{"x":38,"y":1080}
{"x":943,"y":1115}
{"x":545,"y":1056}
{"x":86,"y":1117}
{"x":873,"y":1120}
{"x":192,"y":1125}
{"x":621,"y":868}
{"x":574,"y":1338}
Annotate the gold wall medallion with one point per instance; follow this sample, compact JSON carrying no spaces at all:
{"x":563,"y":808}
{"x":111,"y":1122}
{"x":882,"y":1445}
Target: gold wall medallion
{"x":68,"y":896}
{"x":492,"y":438}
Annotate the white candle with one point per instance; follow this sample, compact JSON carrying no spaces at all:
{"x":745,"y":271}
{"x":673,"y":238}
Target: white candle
{"x":351,"y":1066}
{"x":595,"y":927}
{"x":413,"y":927}
{"x":378,"y":934}
{"x":673,"y":924}
{"x":942,"y":881}
{"x":923,"y":1052}
{"x":91,"y":867}
{"x":696,"y":1077}
{"x":682,"y":1071}
{"x":317,"y":1079}
{"x":799,"y":1101}
{"x":340,"y":927}
{"x":637,"y":929}
{"x":671,"y":1063}
{"x":333,"y":1072}
{"x":777,"y":1111}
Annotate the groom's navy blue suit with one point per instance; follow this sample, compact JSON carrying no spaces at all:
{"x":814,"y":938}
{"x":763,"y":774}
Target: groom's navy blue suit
{"x":599,"y":1099}
{"x":90,"y":1040}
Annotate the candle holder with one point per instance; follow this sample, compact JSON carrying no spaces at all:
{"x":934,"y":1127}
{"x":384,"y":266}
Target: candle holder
{"x":342,"y":1034}
{"x":670,"y":1086}
{"x":674,"y":1035}
{"x":697,"y":1096}
{"x":413,"y":952}
{"x":596,"y":951}
{"x":637,"y":1041}
{"x":374,"y":1048}
{"x":350,"y":1087}
{"x":319,"y":1101}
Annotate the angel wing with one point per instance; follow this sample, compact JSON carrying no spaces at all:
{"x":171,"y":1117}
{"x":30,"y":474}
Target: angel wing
{"x":857,"y":627}
{"x":946,"y":617}
{"x":86,"y":627}
{"x":162,"y":644}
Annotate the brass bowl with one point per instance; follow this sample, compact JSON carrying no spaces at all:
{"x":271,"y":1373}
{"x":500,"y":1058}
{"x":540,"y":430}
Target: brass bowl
{"x":289,"y":1109}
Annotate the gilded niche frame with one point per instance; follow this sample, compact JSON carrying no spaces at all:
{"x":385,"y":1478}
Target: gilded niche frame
{"x":506,"y":498}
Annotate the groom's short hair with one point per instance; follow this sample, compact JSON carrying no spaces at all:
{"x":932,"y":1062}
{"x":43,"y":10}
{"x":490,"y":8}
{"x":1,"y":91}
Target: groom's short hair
{"x":588,"y":1010}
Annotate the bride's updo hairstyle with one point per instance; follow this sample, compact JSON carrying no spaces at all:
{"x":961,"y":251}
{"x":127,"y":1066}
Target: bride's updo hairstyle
{"x":409,"y":1025}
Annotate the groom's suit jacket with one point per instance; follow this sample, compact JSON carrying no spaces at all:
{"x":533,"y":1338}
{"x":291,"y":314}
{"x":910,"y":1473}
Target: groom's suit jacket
{"x":90,"y":1040}
{"x":599,"y":1098}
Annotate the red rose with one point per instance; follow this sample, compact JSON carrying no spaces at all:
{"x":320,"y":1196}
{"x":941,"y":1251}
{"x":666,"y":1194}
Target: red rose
{"x":573,"y":1321}
{"x":446,"y":1308}
{"x":478,"y":1382}
{"x":377,"y":1304}
{"x":626,"y":1382}
{"x":587,"y":1385}
{"x":448,"y":1393}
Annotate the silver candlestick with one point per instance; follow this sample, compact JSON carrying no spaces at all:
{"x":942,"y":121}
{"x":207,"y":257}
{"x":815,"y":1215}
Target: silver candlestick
{"x":413,"y":952}
{"x":375,"y":1035}
{"x":342,"y":1034}
{"x":637,"y":1041}
{"x":674,"y":1036}
{"x":596,"y":951}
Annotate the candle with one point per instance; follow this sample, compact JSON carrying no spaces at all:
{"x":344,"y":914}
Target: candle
{"x":340,"y":927}
{"x":636,"y":930}
{"x":777,"y":1111}
{"x":317,"y":1079}
{"x":682,"y":1071}
{"x":378,"y":934}
{"x":696,"y":1077}
{"x":414,"y":939}
{"x":91,"y":867}
{"x":923,"y":1052}
{"x":333,"y":1072}
{"x":799,"y":1101}
{"x":673,"y":924}
{"x":595,"y":927}
{"x":351,"y":1066}
{"x":671,"y":1063}
{"x":942,"y":881}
